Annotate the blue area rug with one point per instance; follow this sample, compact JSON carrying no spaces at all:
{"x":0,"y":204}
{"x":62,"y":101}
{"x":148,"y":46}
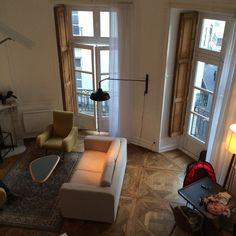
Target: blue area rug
{"x":38,"y":205}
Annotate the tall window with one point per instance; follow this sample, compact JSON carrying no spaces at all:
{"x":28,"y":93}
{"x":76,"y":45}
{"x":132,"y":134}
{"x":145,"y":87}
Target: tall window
{"x":90,"y":33}
{"x":206,"y":75}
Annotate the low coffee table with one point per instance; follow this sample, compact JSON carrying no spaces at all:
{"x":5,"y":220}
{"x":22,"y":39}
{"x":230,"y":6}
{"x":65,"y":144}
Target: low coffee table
{"x":41,"y":168}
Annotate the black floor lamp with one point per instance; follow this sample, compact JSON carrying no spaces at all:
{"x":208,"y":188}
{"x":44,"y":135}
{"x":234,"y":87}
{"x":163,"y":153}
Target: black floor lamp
{"x":231,"y":147}
{"x":100,"y":95}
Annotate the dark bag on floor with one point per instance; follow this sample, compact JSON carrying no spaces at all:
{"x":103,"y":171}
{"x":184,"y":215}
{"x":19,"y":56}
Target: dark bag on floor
{"x":197,"y":170}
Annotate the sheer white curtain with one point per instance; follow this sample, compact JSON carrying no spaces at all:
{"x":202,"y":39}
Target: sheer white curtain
{"x":225,"y":113}
{"x":121,"y":64}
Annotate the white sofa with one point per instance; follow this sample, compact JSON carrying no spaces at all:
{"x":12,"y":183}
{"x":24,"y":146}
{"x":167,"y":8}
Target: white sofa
{"x":93,"y":191}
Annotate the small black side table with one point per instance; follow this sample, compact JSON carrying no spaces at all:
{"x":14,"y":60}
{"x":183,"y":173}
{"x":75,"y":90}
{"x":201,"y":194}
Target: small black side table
{"x":200,"y":189}
{"x":3,"y":146}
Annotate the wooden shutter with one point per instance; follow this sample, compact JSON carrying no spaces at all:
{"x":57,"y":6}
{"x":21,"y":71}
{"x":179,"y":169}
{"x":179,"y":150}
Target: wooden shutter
{"x":64,"y":54}
{"x":183,"y":61}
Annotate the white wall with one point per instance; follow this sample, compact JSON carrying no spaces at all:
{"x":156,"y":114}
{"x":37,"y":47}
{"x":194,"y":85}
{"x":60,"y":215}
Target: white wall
{"x":229,"y":8}
{"x":166,"y":142}
{"x":33,"y":73}
{"x":151,"y":38}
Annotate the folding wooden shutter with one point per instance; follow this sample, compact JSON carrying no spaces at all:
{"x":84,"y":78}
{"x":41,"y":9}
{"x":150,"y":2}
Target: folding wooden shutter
{"x":64,"y":54}
{"x":184,"y":55}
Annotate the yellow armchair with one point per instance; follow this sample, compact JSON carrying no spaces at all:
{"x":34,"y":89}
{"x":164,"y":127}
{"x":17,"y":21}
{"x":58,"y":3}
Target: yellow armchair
{"x":60,"y":135}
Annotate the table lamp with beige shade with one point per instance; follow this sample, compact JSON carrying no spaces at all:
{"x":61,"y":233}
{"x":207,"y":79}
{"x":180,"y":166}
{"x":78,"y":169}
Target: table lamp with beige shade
{"x":231,"y":147}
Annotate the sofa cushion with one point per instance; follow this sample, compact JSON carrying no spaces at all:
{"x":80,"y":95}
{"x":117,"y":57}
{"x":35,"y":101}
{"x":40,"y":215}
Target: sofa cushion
{"x":86,"y":177}
{"x":92,"y":161}
{"x":107,"y":174}
{"x":97,"y":143}
{"x":113,"y":150}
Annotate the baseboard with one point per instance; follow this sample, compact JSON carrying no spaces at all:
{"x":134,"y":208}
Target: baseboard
{"x":144,"y":143}
{"x":188,"y":153}
{"x":168,"y":148}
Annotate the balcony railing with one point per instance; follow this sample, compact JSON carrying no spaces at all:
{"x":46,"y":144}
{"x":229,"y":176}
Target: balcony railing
{"x":199,"y":124}
{"x":86,"y":105}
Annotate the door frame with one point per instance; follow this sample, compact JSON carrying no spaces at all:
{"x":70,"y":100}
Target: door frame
{"x":84,"y":121}
{"x":211,"y":57}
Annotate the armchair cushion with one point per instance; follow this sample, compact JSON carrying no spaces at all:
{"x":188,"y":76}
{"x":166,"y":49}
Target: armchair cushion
{"x":54,"y":143}
{"x":69,"y":141}
{"x":60,"y":135}
{"x":62,"y":123}
{"x":42,"y":138}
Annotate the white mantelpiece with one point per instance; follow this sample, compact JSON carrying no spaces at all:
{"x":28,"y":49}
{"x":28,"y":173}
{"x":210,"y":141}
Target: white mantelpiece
{"x":9,"y":122}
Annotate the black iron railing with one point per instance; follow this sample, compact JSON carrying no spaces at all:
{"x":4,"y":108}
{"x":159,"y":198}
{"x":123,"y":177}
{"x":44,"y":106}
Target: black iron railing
{"x":86,"y":105}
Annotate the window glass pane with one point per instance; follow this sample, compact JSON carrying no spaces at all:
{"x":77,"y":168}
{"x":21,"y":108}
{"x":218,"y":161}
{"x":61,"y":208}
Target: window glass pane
{"x":104,"y":24}
{"x":105,"y":84}
{"x":75,"y":19}
{"x":104,"y":61}
{"x":84,"y":82}
{"x":212,"y":34}
{"x":82,"y":23}
{"x":205,"y":76}
{"x":84,"y":87}
{"x":78,"y":80}
{"x":105,"y":104}
{"x":202,"y":102}
{"x":85,"y":104}
{"x":83,"y":57}
{"x":198,"y":127}
{"x":78,"y":63}
{"x":105,"y":108}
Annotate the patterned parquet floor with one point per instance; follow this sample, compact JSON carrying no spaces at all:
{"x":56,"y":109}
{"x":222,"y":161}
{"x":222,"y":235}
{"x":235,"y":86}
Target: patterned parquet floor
{"x":150,"y":184}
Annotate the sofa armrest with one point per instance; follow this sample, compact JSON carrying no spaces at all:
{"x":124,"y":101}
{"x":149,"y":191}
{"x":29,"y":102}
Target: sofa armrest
{"x":97,"y":143}
{"x":87,"y":202}
{"x":42,"y":138}
{"x":69,"y":142}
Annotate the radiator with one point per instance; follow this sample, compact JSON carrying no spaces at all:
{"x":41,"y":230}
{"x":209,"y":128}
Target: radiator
{"x":36,"y":121}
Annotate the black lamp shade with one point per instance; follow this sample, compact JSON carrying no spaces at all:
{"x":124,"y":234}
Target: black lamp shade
{"x":100,"y":96}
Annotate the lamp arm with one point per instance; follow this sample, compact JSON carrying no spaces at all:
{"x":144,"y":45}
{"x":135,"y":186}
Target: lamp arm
{"x":135,"y":80}
{"x":4,"y":40}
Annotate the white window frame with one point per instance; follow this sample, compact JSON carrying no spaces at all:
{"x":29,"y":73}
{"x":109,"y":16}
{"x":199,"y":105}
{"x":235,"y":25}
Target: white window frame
{"x":211,"y":57}
{"x":96,"y":39}
{"x":91,"y":48}
{"x":98,"y":43}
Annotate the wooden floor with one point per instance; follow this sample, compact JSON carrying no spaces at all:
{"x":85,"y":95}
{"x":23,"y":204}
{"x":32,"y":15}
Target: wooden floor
{"x":150,"y":184}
